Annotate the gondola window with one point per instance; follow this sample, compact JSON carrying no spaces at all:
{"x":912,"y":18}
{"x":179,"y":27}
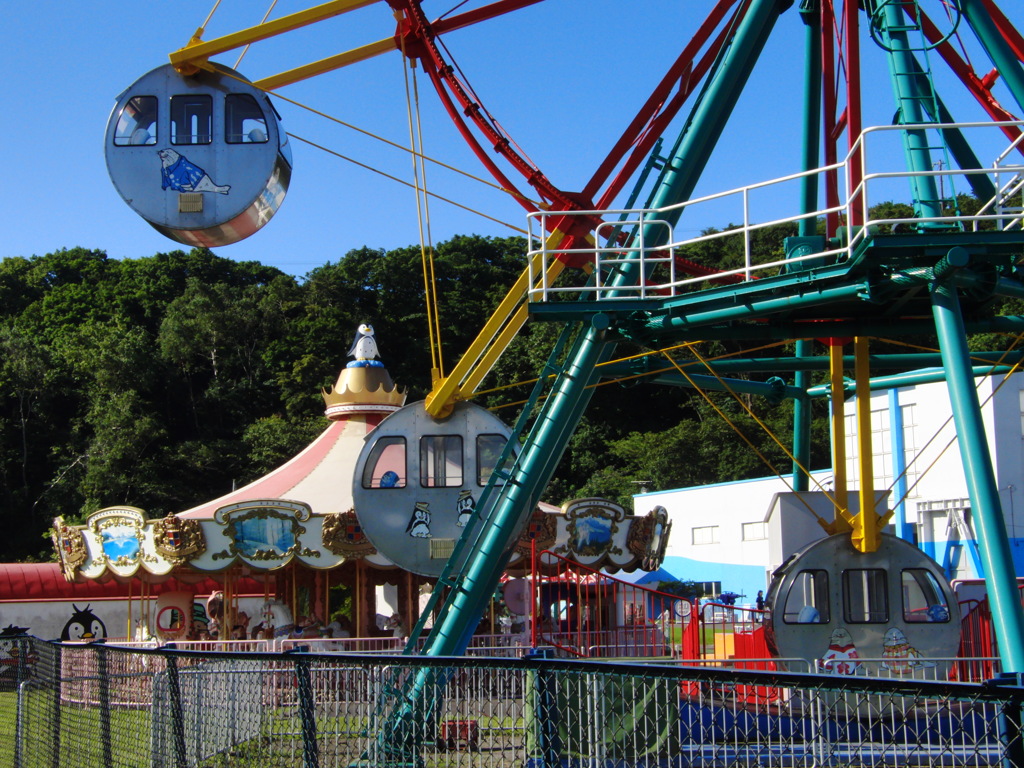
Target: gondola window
{"x":243,"y":120}
{"x":807,"y":602}
{"x":488,"y":454}
{"x":385,"y":468}
{"x":865,"y":596}
{"x":136,"y":125}
{"x":191,"y":119}
{"x":923,"y":598}
{"x":441,"y":461}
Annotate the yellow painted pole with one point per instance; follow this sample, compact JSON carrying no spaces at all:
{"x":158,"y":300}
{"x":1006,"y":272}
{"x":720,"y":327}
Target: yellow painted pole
{"x":328,"y":64}
{"x":841,"y":522}
{"x":491,"y":342}
{"x":194,"y":56}
{"x":865,"y":523}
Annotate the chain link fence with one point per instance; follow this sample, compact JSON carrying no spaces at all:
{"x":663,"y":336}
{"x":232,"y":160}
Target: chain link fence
{"x":64,"y":705}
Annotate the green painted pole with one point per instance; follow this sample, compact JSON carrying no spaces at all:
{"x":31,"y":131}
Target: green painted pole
{"x":909,"y":95}
{"x":986,"y":509}
{"x":995,"y":46}
{"x":913,"y":379}
{"x":810,"y":13}
{"x":694,"y":146}
{"x":903,"y":362}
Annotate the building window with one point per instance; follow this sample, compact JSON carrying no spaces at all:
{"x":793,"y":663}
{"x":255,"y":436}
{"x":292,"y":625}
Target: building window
{"x":881,"y":448}
{"x":707,"y":534}
{"x":755,"y":531}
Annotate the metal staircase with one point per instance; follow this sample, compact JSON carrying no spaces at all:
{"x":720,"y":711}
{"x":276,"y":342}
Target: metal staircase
{"x":896,"y":27}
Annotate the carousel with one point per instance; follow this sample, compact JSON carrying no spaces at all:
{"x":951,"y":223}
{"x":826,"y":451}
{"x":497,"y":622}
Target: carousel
{"x":291,"y":553}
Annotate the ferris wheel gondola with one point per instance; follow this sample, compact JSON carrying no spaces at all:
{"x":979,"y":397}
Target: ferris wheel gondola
{"x":417,"y":481}
{"x":836,"y":607}
{"x":202,"y":158}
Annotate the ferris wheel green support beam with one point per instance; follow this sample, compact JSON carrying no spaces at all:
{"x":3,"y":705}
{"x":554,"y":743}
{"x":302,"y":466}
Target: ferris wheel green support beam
{"x":810,"y":13}
{"x":995,"y":46}
{"x":964,"y":155}
{"x":693,"y":148}
{"x":911,"y":361}
{"x":911,"y":379}
{"x":909,"y":97}
{"x":993,"y":546}
{"x":779,"y":391}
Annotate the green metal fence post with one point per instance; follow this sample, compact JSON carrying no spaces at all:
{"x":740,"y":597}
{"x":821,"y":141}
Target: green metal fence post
{"x":177,"y":712}
{"x":1010,"y":730}
{"x":102,"y":674}
{"x":55,"y":761}
{"x":307,"y":711}
{"x":545,"y":712}
{"x":21,"y":646}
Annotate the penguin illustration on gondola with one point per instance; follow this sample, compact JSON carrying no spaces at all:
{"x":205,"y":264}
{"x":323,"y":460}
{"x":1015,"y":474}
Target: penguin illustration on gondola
{"x":15,"y":651}
{"x":465,"y":505}
{"x":419,"y":523}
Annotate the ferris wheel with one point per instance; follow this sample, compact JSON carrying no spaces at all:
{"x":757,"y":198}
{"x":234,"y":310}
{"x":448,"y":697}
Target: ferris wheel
{"x":613,"y":238}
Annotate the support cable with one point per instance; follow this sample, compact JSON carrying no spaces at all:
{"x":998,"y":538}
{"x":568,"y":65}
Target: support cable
{"x":821,"y":521}
{"x":245,"y":50}
{"x":412,"y":105}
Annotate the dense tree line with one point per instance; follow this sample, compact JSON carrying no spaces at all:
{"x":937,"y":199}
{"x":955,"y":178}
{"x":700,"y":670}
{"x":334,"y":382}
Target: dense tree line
{"x":164,"y":381}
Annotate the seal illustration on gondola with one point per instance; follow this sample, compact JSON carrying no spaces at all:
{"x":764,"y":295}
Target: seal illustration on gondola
{"x":182,"y":175}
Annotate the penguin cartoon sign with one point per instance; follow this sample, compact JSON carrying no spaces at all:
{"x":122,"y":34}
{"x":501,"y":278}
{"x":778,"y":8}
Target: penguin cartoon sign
{"x":15,"y":652}
{"x":83,"y":626}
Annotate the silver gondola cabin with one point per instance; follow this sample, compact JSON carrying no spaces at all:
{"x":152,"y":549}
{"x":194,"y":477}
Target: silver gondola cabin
{"x":417,"y":481}
{"x":201,"y":158}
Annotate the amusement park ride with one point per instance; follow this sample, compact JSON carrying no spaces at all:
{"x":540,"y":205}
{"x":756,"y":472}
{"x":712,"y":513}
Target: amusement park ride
{"x":198,"y":151}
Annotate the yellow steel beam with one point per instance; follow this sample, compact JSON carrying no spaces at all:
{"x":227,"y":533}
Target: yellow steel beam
{"x":326,"y":65}
{"x":491,"y":342}
{"x":867,"y":523}
{"x":841,"y":523}
{"x":195,"y":55}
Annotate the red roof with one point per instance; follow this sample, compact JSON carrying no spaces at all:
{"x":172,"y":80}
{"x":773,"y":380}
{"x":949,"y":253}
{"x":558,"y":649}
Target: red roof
{"x":35,"y":582}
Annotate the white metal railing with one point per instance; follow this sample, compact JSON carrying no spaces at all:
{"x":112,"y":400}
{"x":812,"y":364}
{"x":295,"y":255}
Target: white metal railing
{"x":480,"y":645}
{"x":656,"y":241}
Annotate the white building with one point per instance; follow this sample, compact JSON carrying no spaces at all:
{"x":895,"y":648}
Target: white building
{"x":731,"y":536}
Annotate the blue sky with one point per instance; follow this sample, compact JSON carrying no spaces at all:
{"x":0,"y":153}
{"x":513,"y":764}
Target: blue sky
{"x":563,"y":77}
